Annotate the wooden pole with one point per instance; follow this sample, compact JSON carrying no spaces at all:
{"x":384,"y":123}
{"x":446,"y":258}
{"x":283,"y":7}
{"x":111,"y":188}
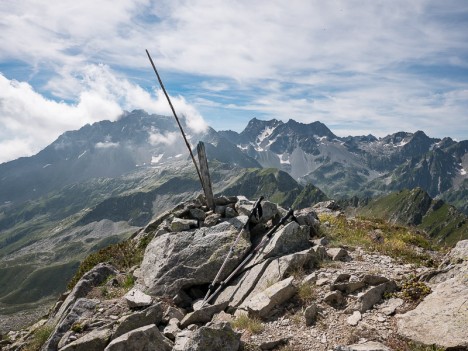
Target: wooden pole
{"x":177,"y":119}
{"x":205,"y":175}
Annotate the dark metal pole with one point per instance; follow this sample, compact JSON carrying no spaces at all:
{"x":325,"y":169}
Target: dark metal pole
{"x":177,"y":119}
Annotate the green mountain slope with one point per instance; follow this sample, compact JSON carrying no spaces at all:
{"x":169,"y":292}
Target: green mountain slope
{"x":443,"y":222}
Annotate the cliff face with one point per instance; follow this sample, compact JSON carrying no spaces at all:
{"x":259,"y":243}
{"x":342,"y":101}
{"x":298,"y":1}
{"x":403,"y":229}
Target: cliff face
{"x":322,"y":281}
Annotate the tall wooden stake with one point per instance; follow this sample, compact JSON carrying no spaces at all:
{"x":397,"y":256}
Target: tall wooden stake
{"x":205,"y":175}
{"x":178,"y":122}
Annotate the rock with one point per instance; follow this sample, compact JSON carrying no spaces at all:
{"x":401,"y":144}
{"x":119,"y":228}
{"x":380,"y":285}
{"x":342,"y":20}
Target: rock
{"x":329,"y":205}
{"x":172,"y":329}
{"x":335,"y":299}
{"x":219,"y":337}
{"x":222,"y":317}
{"x":262,"y":303}
{"x":96,"y":276}
{"x":366,"y":346}
{"x":371,"y":279}
{"x":321,"y":252}
{"x":308,"y":217}
{"x":338,"y":254}
{"x":322,"y":281}
{"x":442,"y":317}
{"x":391,"y":305}
{"x":348,"y":287}
{"x":238,"y":222}
{"x":197,"y":214}
{"x":373,"y":295}
{"x":182,"y":339}
{"x":310,"y":314}
{"x":230,"y":212}
{"x":173,"y":262}
{"x":225,"y":200}
{"x":236,"y":292}
{"x":154,"y":224}
{"x":145,"y":338}
{"x":212,"y":220}
{"x":310,"y":279}
{"x":82,"y":309}
{"x":180,"y":225}
{"x":220,"y":210}
{"x":273,"y":344}
{"x":172,"y":312}
{"x":283,"y":267}
{"x":136,"y":298}
{"x":202,"y":315}
{"x":354,"y":318}
{"x":290,"y":239}
{"x":151,"y":315}
{"x":320,"y":242}
{"x":95,"y":340}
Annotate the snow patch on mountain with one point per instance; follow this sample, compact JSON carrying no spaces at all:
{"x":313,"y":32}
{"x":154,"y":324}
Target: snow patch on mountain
{"x":156,"y":159}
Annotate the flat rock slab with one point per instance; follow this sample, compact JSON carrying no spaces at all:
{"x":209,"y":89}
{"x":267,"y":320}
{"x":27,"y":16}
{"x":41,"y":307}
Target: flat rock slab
{"x":367,"y":346}
{"x":95,"y":340}
{"x":145,"y":338}
{"x":219,"y":337}
{"x":177,"y":261}
{"x":202,"y":315}
{"x":442,"y":317}
{"x":262,"y":303}
{"x":151,"y":315}
{"x":136,"y":298}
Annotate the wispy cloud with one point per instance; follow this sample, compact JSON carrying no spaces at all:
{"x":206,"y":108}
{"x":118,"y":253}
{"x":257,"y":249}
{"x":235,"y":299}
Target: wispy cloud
{"x":374,"y":66}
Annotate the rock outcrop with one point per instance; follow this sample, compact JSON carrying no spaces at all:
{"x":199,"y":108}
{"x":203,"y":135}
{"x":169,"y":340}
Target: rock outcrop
{"x":301,"y":290}
{"x":442,"y":318}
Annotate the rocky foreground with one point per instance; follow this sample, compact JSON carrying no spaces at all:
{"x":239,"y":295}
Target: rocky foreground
{"x":300,"y":292}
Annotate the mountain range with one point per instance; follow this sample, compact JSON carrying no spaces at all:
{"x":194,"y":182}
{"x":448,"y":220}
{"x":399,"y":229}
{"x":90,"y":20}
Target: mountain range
{"x":98,"y":185}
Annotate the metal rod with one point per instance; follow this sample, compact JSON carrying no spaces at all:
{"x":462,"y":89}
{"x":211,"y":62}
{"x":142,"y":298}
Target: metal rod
{"x":253,"y":212}
{"x":257,"y":249}
{"x":177,"y":119}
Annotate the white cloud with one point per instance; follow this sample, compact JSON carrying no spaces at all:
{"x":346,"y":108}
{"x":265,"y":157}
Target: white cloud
{"x":156,"y":138}
{"x":347,"y":63}
{"x":30,"y":121}
{"x":106,"y":145}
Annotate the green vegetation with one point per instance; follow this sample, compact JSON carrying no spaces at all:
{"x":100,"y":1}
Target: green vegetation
{"x":443,"y":222}
{"x":123,"y":256}
{"x":307,"y":293}
{"x":398,"y":242}
{"x":40,"y":336}
{"x":414,"y":290}
{"x":244,"y":322}
{"x":42,"y":283}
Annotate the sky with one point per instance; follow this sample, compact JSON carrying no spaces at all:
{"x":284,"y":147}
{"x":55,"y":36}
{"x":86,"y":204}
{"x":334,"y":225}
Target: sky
{"x":361,"y":67}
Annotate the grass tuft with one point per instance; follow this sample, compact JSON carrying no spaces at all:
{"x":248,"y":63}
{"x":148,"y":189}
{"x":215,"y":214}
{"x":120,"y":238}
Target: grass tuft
{"x":251,"y":324}
{"x":40,"y":336}
{"x":401,"y":243}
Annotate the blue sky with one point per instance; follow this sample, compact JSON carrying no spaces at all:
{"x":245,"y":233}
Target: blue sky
{"x":360,"y":67}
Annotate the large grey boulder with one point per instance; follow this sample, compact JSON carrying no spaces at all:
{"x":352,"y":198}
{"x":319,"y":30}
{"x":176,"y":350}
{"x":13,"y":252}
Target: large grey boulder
{"x":216,"y":337}
{"x":90,"y":279}
{"x":442,"y":317}
{"x":262,"y":303}
{"x":151,"y":315}
{"x":147,"y":338}
{"x":95,"y":340}
{"x":83,"y":308}
{"x":289,"y":239}
{"x":177,"y":261}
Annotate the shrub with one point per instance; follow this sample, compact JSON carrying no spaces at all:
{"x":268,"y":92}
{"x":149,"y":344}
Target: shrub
{"x":253,"y":325}
{"x":123,"y":256}
{"x":307,"y":292}
{"x":40,"y":336}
